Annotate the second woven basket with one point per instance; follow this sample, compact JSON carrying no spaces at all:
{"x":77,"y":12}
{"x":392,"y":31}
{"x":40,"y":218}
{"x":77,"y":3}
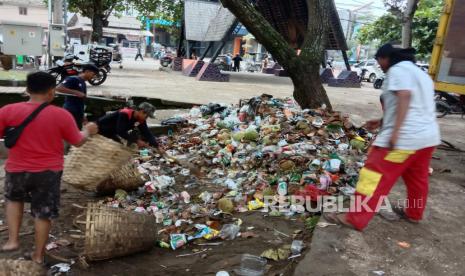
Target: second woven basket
{"x":87,"y":166}
{"x":112,"y":232}
{"x":127,"y":178}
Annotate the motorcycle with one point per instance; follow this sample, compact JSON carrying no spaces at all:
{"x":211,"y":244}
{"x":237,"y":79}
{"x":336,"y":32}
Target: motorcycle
{"x":69,"y":67}
{"x":65,"y":68}
{"x":117,"y":56}
{"x":447,"y":103}
{"x":361,"y":77}
{"x":166,"y":60}
{"x":251,"y":66}
{"x":101,"y":57}
{"x":378,"y":83}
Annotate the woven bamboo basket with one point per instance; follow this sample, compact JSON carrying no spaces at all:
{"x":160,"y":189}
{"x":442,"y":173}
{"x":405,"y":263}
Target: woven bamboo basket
{"x":127,"y":178}
{"x":89,"y":165}
{"x":111,"y":232}
{"x":20,"y":268}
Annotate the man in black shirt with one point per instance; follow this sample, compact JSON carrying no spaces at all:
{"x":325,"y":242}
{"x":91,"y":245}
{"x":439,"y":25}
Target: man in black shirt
{"x":237,"y":63}
{"x":130,"y":125}
{"x":76,"y":87}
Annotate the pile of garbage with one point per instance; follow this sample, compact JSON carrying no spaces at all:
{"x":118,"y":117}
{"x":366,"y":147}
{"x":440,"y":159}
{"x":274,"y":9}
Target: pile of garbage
{"x":265,"y":147}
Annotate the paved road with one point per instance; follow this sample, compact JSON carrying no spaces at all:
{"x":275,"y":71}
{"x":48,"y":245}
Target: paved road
{"x":143,"y":78}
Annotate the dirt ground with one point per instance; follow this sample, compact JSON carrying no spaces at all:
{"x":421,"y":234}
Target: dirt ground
{"x":272,"y":232}
{"x":437,"y":245}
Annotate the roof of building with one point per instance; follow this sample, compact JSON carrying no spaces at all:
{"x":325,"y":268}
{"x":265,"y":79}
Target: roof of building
{"x":290,"y":17}
{"x":123,"y":22}
{"x":25,"y":3}
{"x":114,"y":31}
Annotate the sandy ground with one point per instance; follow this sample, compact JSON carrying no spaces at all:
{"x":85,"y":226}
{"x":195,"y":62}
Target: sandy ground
{"x":436,"y":245}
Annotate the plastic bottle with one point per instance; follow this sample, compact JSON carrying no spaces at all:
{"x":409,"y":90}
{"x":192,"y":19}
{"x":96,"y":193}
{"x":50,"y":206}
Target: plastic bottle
{"x":229,"y":231}
{"x":297,"y":246}
{"x":251,"y":266}
{"x":282,"y":188}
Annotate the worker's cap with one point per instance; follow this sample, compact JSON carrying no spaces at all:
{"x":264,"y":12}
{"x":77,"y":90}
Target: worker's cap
{"x":388,"y":50}
{"x":90,"y":67}
{"x":148,"y":109}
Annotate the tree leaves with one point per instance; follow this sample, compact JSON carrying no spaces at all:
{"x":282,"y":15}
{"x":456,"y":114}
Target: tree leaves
{"x":161,"y":9}
{"x":388,"y":27}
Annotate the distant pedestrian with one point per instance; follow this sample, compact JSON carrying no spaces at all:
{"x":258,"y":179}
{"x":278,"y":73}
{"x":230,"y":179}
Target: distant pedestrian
{"x":265,"y":62}
{"x":405,"y":143}
{"x":237,"y":63}
{"x":193,"y":55}
{"x":228,"y":60}
{"x":139,"y":53}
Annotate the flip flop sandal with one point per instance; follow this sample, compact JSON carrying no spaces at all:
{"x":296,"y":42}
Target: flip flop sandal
{"x":334,"y":218}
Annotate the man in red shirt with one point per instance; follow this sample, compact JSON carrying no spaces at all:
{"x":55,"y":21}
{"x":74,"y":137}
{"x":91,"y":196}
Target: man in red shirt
{"x":35,"y":163}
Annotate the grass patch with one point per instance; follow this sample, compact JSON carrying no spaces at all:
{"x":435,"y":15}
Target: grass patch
{"x":310,"y":223}
{"x":13,"y":75}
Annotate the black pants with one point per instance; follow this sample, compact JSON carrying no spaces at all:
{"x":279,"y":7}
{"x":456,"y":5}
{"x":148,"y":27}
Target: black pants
{"x":139,"y":55}
{"x":78,"y":115}
{"x":236,"y":67}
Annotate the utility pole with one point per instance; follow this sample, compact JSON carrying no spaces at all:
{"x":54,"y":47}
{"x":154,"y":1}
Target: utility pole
{"x":58,"y":12}
{"x":49,"y":56}
{"x":65,"y":20}
{"x":55,"y":16}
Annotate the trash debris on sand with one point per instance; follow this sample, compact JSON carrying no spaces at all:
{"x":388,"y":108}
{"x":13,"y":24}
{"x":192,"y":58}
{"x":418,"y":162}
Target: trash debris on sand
{"x":259,"y":152}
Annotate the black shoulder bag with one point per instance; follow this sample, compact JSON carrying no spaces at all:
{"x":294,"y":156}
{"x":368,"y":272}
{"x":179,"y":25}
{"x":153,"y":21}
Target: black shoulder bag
{"x":12,"y":134}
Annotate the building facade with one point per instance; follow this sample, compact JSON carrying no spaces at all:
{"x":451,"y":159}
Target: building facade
{"x":24,"y":11}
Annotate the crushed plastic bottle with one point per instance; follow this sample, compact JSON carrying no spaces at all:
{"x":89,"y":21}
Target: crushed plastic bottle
{"x":318,"y":122}
{"x":229,"y":231}
{"x":251,"y":266}
{"x":282,"y":188}
{"x":231,"y":184}
{"x":297,"y":246}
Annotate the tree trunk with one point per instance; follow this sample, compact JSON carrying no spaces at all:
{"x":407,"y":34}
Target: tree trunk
{"x":97,"y":28}
{"x":179,"y":52}
{"x":307,"y":82}
{"x":407,"y":19}
{"x":304,"y":69}
{"x":97,"y":21}
{"x":407,"y":33}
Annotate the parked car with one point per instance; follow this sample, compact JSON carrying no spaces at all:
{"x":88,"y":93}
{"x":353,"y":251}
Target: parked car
{"x":222,"y":64}
{"x":423,"y":66}
{"x":371,"y":69}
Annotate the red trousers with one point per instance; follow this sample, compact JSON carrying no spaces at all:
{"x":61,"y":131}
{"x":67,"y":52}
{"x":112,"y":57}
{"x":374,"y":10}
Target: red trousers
{"x":382,"y":169}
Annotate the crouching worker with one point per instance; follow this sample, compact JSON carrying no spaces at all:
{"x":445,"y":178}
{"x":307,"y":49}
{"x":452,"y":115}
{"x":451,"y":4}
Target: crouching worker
{"x":129,"y":125}
{"x":35,"y":160}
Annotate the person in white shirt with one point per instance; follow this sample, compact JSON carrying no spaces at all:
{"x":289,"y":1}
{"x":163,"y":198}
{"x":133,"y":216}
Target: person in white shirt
{"x":405,"y":143}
